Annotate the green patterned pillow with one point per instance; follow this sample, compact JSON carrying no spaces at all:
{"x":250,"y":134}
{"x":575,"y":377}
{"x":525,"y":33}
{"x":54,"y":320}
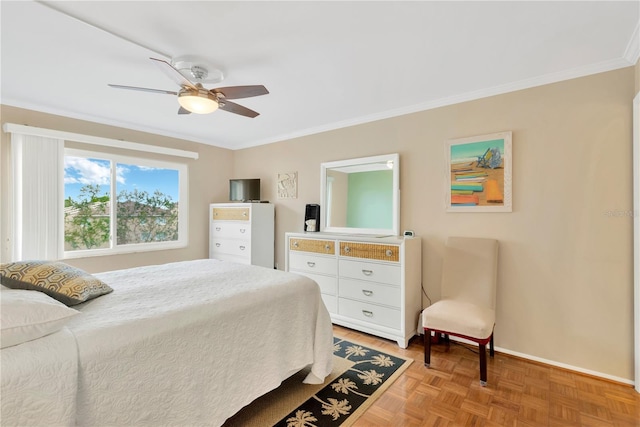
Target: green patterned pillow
{"x":65,"y":283}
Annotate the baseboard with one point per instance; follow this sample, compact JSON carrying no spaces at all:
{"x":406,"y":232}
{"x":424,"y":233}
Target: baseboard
{"x":553,"y":363}
{"x":565,"y":366}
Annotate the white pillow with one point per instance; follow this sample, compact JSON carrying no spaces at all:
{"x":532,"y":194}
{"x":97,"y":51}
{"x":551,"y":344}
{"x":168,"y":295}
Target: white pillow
{"x":29,"y":315}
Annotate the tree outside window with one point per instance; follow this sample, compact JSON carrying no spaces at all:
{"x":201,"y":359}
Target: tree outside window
{"x":146,"y":198}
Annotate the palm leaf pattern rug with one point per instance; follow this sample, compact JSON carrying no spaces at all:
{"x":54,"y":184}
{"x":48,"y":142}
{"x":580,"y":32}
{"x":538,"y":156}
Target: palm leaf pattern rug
{"x":340,"y":399}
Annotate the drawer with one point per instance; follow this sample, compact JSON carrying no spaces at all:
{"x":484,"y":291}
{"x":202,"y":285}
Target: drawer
{"x":231,"y":214}
{"x":328,"y":284}
{"x":313,"y":264}
{"x":313,"y":245}
{"x":370,"y":292}
{"x":371,"y":313}
{"x":381,"y":273}
{"x":331,"y":302}
{"x":231,"y":230}
{"x":370,"y":251}
{"x":230,"y":246}
{"x":241,"y":259}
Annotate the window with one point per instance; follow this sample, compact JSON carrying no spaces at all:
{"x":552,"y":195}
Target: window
{"x":117,"y":204}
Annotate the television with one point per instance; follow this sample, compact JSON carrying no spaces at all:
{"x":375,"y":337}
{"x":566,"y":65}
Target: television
{"x":244,"y":190}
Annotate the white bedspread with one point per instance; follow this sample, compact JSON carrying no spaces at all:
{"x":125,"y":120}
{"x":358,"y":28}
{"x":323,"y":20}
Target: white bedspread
{"x":39,"y":381}
{"x":191,"y":343}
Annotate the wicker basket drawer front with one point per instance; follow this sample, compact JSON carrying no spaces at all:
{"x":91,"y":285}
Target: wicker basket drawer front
{"x":313,"y":264}
{"x":370,"y":251}
{"x":370,"y":271}
{"x":313,"y":245}
{"x":231,"y":214}
{"x":371,"y":313}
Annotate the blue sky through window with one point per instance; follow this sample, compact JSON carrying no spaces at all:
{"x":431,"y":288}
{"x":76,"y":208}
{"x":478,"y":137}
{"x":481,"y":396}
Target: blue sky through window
{"x":81,"y":171}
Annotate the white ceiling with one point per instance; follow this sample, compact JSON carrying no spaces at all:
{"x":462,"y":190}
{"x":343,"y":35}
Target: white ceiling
{"x":326,"y":64}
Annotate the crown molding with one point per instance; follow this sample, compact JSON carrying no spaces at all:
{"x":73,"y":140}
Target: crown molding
{"x":573,"y":73}
{"x":632,"y":52}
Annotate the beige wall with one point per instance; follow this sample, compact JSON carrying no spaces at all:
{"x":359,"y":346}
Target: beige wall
{"x":208,"y":182}
{"x":565,"y":281}
{"x":638,"y":76}
{"x":565,"y":289}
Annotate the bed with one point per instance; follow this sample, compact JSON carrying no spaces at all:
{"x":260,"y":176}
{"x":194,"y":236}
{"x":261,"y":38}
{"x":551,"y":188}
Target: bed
{"x":187,"y":343}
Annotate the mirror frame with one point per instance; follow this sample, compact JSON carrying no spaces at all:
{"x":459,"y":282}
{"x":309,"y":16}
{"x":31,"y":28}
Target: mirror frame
{"x":395,"y":223}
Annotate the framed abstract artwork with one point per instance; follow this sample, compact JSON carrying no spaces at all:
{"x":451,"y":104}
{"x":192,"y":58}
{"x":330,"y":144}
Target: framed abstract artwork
{"x":478,"y":173}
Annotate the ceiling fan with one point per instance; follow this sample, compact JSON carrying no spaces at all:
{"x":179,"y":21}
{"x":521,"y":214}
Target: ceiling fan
{"x":194,"y":98}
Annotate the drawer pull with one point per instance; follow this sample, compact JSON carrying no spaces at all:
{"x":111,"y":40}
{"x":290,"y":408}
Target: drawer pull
{"x":327,"y":247}
{"x":218,"y":228}
{"x":217,"y":245}
{"x":347,"y":249}
{"x":244,"y":214}
{"x":389,"y":252}
{"x":367,"y":313}
{"x":295,"y":244}
{"x":242,"y":230}
{"x":311,"y":264}
{"x":242,"y":248}
{"x":367,"y":292}
{"x":367,"y":272}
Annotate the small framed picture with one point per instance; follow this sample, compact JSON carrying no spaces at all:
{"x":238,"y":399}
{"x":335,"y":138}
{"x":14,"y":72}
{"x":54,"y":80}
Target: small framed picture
{"x":479,"y":173}
{"x":288,"y":185}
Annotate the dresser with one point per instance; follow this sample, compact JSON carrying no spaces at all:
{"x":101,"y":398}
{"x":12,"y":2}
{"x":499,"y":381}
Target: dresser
{"x":242,"y":232}
{"x":367,"y":283}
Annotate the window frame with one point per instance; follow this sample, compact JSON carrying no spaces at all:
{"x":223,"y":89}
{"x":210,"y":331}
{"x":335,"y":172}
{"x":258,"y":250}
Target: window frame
{"x":183,"y":205}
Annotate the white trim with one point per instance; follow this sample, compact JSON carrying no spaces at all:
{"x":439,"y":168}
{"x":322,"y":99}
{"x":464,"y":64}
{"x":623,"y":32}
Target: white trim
{"x":564,"y":366}
{"x":573,"y":73}
{"x":636,"y":234}
{"x":548,"y":362}
{"x":96,"y":140}
{"x":632,"y":52}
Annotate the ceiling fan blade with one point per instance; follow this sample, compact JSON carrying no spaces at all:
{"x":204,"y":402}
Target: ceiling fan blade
{"x":182,"y":110}
{"x":173,"y":73}
{"x":237,"y":92}
{"x":144,"y":89}
{"x":232,"y":107}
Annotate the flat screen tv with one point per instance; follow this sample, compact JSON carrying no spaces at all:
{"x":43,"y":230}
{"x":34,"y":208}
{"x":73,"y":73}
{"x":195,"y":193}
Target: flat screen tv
{"x":244,"y":190}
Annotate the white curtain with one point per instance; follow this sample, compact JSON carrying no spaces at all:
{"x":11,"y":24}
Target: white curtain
{"x":38,"y":193}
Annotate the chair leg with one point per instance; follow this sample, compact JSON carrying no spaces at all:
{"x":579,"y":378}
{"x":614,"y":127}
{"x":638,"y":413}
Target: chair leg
{"x":483,"y":364}
{"x":427,"y":347}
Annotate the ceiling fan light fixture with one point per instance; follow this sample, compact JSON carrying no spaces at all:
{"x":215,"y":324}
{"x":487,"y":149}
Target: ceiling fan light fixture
{"x":198,"y":101}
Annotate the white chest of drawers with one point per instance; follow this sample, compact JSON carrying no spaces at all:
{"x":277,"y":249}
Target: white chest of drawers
{"x":242,"y":232}
{"x":367,"y":283}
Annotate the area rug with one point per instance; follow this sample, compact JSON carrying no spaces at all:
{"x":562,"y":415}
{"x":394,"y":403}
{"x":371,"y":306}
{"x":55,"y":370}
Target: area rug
{"x":360,"y":375}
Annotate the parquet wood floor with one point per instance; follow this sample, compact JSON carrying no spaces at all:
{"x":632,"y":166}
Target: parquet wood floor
{"x":518,"y":393}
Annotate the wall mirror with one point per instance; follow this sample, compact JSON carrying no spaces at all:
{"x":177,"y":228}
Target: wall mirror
{"x":361,"y":196}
